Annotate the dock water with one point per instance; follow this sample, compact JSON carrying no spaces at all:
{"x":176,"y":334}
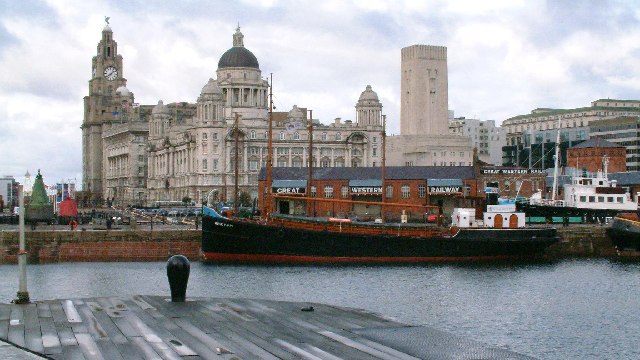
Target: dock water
{"x":153,"y":327}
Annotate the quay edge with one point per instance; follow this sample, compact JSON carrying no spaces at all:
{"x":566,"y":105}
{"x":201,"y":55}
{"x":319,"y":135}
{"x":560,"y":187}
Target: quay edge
{"x":577,"y":241}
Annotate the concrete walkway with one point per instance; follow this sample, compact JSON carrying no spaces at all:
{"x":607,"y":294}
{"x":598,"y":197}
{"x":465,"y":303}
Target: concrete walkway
{"x":10,"y":352}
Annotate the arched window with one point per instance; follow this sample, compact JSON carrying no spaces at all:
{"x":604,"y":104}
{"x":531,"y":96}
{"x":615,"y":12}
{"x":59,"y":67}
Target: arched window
{"x":296,"y":136}
{"x":338,"y":136}
{"x":282,"y":135}
{"x":252,"y":134}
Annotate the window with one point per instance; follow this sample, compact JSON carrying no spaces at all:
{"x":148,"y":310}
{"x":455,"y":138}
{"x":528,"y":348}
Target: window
{"x":204,"y":164}
{"x":422,"y":191}
{"x":600,"y":199}
{"x":592,"y":199}
{"x":389,"y":191}
{"x":338,"y":136}
{"x":405,"y":191}
{"x":296,"y":136}
{"x":313,"y":191}
{"x":583,"y":198}
{"x":252,"y":134}
{"x":204,"y":148}
{"x":620,"y":199}
{"x":507,"y":185}
{"x":375,"y":151}
{"x":610,"y":199}
{"x":328,"y":192}
{"x":253,"y":165}
{"x":281,"y":135}
{"x":215,"y":136}
{"x":345,"y":191}
{"x":204,"y":136}
{"x":324,"y":136}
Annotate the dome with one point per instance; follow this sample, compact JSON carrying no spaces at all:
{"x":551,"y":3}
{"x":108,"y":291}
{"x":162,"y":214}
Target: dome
{"x":238,"y":55}
{"x":123,"y":91}
{"x":368,"y":95}
{"x":161,"y":108}
{"x":211,"y":88}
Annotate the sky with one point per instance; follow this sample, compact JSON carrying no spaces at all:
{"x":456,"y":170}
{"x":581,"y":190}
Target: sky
{"x":505,"y":58}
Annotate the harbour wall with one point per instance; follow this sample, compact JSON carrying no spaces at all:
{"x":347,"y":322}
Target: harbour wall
{"x":100,"y":245}
{"x":146,"y":245}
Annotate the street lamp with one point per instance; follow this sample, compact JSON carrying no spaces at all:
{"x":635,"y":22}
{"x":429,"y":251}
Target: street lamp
{"x":23,"y":293}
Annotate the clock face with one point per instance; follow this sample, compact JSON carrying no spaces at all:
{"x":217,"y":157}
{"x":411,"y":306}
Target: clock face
{"x":110,"y":73}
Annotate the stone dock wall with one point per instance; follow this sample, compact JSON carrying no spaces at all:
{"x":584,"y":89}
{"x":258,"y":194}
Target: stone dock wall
{"x":146,"y":245}
{"x":106,"y":245}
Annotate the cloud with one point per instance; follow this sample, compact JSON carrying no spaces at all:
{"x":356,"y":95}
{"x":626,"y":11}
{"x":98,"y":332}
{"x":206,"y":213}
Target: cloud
{"x":505,"y":58}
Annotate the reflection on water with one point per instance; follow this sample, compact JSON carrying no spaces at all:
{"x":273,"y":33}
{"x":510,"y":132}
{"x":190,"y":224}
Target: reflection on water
{"x":583,"y":309}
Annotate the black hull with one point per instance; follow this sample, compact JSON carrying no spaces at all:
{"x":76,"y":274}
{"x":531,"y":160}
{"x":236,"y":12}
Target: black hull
{"x":228,"y":240}
{"x":625,"y":234}
{"x":587,"y":215}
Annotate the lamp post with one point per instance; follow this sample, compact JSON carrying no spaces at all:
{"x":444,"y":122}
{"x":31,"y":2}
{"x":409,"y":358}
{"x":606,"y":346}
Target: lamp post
{"x":23,"y":293}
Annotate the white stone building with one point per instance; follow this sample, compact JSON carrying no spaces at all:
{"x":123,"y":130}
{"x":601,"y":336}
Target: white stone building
{"x":142,"y":154}
{"x":485,"y":136}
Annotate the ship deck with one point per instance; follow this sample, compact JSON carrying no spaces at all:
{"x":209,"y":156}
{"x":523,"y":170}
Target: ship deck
{"x":153,"y":327}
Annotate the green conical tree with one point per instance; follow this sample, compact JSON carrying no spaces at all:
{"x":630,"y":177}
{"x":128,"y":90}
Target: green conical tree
{"x":39,"y":207}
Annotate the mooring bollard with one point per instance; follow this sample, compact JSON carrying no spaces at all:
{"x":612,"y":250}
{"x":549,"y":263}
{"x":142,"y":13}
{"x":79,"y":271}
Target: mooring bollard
{"x":178,"y":267}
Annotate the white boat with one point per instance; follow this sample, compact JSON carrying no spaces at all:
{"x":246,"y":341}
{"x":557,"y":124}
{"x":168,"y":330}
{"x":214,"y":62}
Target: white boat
{"x":593,"y":197}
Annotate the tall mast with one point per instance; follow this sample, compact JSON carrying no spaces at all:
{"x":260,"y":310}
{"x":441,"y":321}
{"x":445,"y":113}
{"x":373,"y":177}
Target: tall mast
{"x":555,"y":167}
{"x":310,"y":176}
{"x":235,"y":190}
{"x":269,"y":199}
{"x":384,"y":136}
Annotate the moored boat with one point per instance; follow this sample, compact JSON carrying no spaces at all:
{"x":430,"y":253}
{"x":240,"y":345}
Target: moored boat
{"x":290,"y":239}
{"x":624,"y":231}
{"x":589,"y":197}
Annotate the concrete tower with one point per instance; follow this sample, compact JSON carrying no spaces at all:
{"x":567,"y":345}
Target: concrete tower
{"x":424,"y":91}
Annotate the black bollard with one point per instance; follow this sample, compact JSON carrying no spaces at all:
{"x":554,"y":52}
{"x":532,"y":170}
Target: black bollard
{"x":178,"y":273}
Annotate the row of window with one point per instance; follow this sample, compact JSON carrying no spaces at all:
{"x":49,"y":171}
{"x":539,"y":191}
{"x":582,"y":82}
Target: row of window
{"x":601,"y":199}
{"x":405,"y":191}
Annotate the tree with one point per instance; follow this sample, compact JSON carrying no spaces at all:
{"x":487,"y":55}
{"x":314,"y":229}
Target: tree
{"x":244,"y":199}
{"x":186,"y":200}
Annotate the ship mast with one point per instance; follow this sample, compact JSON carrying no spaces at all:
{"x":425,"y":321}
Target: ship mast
{"x":235,"y":189}
{"x":384,"y":135}
{"x":555,"y":167}
{"x":269,"y":199}
{"x":310,"y":176}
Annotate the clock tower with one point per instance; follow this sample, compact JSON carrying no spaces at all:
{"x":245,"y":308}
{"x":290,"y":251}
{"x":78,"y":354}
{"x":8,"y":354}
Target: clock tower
{"x":102,"y":109}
